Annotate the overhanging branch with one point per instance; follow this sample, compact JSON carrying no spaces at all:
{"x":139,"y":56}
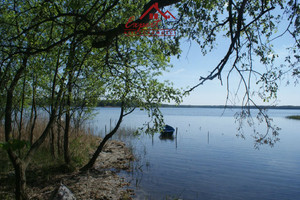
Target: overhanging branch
{"x":119,"y":30}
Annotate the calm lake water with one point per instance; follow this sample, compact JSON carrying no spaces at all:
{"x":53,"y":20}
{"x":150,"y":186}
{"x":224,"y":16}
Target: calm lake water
{"x":207,"y":160}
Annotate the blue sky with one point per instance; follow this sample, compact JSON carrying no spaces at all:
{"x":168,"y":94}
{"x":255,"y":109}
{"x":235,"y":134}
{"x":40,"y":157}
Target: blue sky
{"x":193,"y":64}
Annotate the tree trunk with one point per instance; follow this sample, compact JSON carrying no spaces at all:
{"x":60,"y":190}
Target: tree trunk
{"x":20,"y":176}
{"x":92,"y":161}
{"x":19,"y":168}
{"x":66,"y":138}
{"x":70,"y":69}
{"x":20,"y":182}
{"x":33,"y":123}
{"x":52,"y":137}
{"x":68,"y":120}
{"x":22,"y":108}
{"x":19,"y":164}
{"x":59,"y":124}
{"x":52,"y":140}
{"x":33,"y":114}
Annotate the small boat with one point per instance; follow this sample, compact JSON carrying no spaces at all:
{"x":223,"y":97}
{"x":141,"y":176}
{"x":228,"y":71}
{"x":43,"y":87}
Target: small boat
{"x":168,"y":130}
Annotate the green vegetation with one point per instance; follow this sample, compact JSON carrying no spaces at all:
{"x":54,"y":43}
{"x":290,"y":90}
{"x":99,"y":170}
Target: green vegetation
{"x":297,"y":117}
{"x":48,"y":61}
{"x":44,"y":165}
{"x":65,"y":56}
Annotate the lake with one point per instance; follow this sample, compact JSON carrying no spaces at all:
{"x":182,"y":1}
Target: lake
{"x":206,"y":160}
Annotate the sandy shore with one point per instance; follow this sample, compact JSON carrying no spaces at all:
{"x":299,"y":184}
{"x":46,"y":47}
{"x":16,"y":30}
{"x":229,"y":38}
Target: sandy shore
{"x":99,"y":183}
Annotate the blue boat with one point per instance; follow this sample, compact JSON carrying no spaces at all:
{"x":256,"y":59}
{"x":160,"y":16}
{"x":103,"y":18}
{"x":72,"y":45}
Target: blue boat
{"x":168,"y":130}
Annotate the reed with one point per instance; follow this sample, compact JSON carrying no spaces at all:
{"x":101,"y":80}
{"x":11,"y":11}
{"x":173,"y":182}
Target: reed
{"x":44,"y":163}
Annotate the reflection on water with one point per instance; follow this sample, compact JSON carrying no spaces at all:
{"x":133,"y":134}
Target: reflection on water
{"x":166,"y":137}
{"x":205,"y":160}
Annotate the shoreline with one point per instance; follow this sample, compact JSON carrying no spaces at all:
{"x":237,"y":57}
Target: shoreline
{"x":283,"y":107}
{"x":295,"y":117}
{"x":101,"y":182}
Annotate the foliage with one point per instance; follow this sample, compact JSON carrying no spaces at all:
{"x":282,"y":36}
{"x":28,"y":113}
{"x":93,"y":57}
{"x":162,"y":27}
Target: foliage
{"x":297,"y":117}
{"x":44,"y":166}
{"x":47,"y":60}
{"x":14,"y":144}
{"x":250,"y":28}
{"x":65,"y":56}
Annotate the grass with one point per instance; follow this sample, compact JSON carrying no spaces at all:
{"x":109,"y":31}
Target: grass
{"x":44,"y":165}
{"x":297,"y":117}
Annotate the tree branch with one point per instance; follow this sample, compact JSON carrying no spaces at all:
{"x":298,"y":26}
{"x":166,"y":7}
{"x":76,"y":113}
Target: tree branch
{"x":119,"y":30}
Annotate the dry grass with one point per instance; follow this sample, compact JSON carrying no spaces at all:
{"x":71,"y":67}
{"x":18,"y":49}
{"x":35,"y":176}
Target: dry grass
{"x":44,"y":164}
{"x":81,"y":140}
{"x":45,"y":171}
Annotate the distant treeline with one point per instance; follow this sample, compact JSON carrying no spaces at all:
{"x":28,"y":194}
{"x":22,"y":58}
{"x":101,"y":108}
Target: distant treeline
{"x":118,"y":104}
{"x":223,"y":106}
{"x":104,"y":103}
{"x":109,"y":104}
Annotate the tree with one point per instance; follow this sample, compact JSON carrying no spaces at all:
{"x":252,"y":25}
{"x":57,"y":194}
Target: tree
{"x":134,"y":83}
{"x":81,"y":52}
{"x":38,"y":39}
{"x":250,"y":28}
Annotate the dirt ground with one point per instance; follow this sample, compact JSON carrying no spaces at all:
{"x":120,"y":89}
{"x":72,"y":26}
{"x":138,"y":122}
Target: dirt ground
{"x":99,"y":183}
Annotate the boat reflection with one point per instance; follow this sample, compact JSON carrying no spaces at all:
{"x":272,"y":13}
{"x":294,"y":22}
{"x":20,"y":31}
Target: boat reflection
{"x":164,"y":136}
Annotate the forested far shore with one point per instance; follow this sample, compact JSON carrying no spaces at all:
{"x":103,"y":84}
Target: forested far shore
{"x":118,"y":104}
